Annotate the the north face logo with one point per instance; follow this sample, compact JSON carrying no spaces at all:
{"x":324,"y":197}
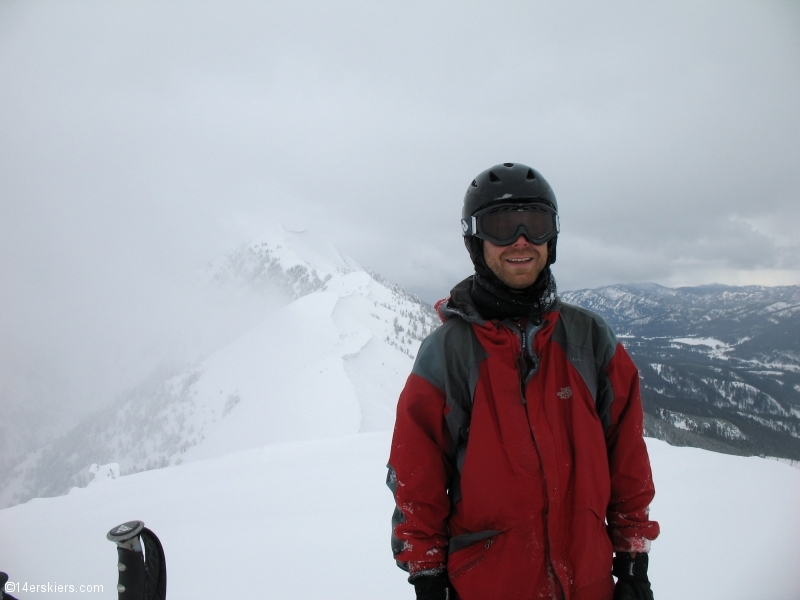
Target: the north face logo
{"x":565,"y":393}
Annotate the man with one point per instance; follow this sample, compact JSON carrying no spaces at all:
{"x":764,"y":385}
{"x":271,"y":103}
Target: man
{"x":518,"y":463}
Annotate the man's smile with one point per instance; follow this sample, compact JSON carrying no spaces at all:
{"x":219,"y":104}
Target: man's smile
{"x":518,"y":264}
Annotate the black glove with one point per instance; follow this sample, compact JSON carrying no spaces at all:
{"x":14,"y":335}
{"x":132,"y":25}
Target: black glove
{"x":631,"y":574}
{"x":433,"y":587}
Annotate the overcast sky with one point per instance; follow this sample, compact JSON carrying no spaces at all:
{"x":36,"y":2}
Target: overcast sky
{"x":139,"y":140}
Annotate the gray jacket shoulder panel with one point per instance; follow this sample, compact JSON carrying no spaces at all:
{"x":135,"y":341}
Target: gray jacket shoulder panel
{"x":587,"y":330}
{"x":589,"y":344}
{"x":450,"y":359}
{"x":447,"y":354}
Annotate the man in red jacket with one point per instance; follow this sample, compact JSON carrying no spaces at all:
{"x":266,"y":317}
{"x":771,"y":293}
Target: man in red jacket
{"x":518,"y":464}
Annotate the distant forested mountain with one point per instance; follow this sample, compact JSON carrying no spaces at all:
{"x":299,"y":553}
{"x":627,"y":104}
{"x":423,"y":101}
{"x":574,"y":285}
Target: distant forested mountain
{"x":720,"y":365}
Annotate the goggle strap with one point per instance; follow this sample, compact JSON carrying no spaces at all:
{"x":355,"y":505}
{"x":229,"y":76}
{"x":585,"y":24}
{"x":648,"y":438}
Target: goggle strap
{"x":469,"y":226}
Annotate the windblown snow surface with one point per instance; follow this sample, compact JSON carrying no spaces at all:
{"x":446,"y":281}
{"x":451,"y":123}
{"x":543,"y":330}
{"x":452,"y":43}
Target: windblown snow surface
{"x":274,"y":454}
{"x":311,"y":520}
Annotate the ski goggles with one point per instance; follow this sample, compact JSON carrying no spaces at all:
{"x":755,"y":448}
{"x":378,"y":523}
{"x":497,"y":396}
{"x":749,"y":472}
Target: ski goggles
{"x":502,"y":224}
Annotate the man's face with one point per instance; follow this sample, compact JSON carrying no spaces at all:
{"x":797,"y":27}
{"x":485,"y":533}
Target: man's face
{"x":518,"y":264}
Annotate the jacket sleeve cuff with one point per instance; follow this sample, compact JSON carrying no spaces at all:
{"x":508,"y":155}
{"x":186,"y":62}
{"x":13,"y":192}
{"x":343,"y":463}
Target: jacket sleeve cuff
{"x":632,"y":544}
{"x":426,"y":573}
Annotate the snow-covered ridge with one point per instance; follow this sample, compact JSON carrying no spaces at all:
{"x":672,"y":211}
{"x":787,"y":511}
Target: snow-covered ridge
{"x":637,"y":305}
{"x":329,"y":362}
{"x":330,"y":355}
{"x":287,"y":263}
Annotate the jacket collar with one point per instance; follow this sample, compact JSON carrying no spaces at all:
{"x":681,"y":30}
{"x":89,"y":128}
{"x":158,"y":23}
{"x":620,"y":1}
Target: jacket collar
{"x":459,"y":304}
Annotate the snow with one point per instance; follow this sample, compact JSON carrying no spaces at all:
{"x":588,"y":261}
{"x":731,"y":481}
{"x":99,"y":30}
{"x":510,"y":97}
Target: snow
{"x":702,"y":424}
{"x":103,"y":473}
{"x":710,"y":342}
{"x":310,"y":519}
{"x":275,"y":449}
{"x":330,"y":363}
{"x":787,"y":461}
{"x":302,"y":373}
{"x":726,"y":521}
{"x":285,"y":249}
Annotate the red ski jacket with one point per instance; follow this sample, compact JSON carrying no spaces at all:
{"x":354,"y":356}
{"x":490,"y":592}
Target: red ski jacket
{"x":518,"y":462}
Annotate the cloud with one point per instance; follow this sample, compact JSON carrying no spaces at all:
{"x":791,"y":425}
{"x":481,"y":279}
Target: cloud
{"x":140,"y":140}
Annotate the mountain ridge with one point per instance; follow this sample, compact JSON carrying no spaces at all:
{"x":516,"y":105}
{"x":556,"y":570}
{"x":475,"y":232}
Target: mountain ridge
{"x":719,"y":365}
{"x":330,"y":361}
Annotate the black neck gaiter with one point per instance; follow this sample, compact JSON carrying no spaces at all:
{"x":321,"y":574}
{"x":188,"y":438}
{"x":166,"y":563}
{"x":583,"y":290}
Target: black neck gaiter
{"x":495,"y":300}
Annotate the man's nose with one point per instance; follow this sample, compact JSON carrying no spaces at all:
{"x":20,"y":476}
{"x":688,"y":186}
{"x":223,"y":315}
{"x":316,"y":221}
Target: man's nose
{"x":521,"y":241}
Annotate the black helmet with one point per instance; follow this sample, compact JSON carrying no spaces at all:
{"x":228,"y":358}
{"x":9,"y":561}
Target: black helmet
{"x":508,"y":183}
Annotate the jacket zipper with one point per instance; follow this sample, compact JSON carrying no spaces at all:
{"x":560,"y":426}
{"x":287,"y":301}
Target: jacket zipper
{"x":522,"y":367}
{"x":525,"y":369}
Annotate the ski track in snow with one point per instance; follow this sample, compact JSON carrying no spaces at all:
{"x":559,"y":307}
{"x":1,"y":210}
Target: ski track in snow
{"x":312,"y":519}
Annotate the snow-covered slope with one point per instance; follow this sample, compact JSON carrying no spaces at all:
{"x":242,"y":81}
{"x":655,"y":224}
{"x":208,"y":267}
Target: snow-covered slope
{"x":330,"y":363}
{"x":276,"y":446}
{"x":311,"y":519}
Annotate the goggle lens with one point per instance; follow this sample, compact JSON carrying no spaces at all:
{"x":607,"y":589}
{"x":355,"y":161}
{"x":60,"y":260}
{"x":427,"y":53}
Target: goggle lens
{"x":504,"y":226}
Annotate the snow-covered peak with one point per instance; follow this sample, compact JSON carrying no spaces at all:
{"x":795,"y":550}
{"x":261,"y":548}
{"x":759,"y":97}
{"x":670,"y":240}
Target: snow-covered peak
{"x":283,"y":262}
{"x":329,"y":360}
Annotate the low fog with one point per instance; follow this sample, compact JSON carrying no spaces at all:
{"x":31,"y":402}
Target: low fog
{"x":141,"y":140}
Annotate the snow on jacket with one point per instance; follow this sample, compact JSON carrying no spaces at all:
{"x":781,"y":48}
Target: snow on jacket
{"x":518,"y":462}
